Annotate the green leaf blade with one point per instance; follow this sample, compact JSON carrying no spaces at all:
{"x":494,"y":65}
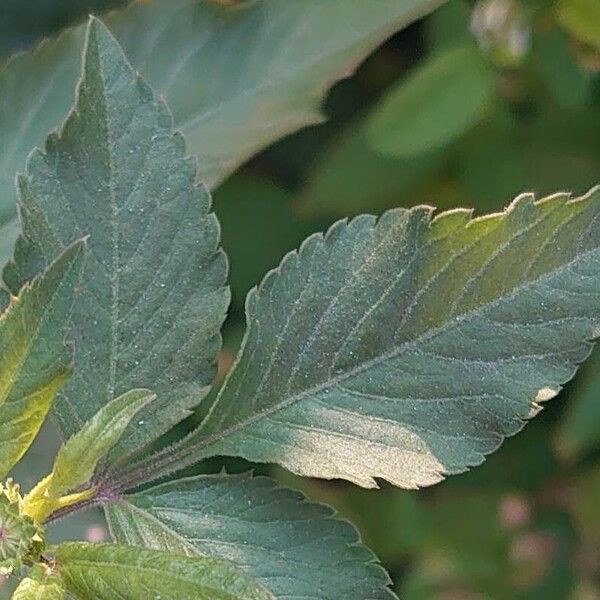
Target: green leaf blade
{"x":117,"y":172}
{"x":290,"y":545}
{"x":407,"y":348}
{"x":112,"y":572}
{"x":35,"y":362}
{"x":187,"y":49}
{"x":438,"y":102}
{"x":78,"y":458}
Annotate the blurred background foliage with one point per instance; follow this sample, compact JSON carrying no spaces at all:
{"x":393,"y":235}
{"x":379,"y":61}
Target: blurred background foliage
{"x":470,"y":106}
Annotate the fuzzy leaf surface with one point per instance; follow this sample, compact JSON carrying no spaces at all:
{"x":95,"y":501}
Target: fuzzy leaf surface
{"x":408,"y":347}
{"x":292,"y":546}
{"x":153,"y":296}
{"x":113,"y":572}
{"x":78,"y":458}
{"x":35,"y":361}
{"x":236,"y":78}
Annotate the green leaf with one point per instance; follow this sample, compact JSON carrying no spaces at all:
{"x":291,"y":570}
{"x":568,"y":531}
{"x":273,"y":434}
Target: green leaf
{"x":407,"y":347}
{"x":78,"y":458}
{"x":438,"y":102}
{"x":111,"y":572}
{"x":39,"y":586}
{"x":565,"y":79}
{"x":35,"y":362}
{"x":236,"y":79}
{"x":291,"y":546}
{"x":350,"y":177}
{"x":29,"y":589}
{"x":8,"y":236}
{"x":153,"y":296}
{"x":581,"y":18}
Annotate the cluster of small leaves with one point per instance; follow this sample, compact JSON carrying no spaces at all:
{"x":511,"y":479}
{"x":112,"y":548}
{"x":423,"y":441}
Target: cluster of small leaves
{"x":402,"y":348}
{"x":21,"y":538}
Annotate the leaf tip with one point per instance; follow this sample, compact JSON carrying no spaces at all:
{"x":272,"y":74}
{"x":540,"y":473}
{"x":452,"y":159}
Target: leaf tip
{"x":97,"y":30}
{"x":99,"y":44}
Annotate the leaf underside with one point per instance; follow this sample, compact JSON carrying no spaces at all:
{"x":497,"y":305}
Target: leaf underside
{"x":153,"y":296}
{"x":291,"y":546}
{"x":236,"y":79}
{"x":35,"y":361}
{"x":407,"y":347}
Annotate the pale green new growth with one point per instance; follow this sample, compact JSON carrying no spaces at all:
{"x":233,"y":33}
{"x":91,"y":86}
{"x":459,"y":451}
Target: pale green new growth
{"x":153,"y":292}
{"x":35,"y":362}
{"x":77,"y":460}
{"x":194,"y":516}
{"x":32,"y":589}
{"x":407,"y":347}
{"x":112,"y":572}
